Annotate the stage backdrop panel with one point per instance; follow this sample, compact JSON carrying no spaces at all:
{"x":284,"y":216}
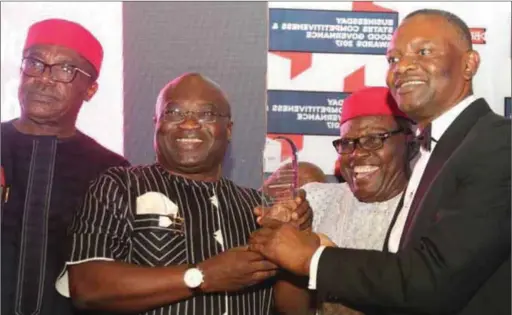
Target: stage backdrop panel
{"x":226,"y":41}
{"x":320,"y":52}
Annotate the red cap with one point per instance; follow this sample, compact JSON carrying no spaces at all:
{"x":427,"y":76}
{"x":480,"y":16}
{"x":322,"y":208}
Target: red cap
{"x":67,"y":34}
{"x":372,"y":101}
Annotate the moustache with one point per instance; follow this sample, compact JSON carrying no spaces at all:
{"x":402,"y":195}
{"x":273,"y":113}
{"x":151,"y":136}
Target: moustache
{"x":35,"y":93}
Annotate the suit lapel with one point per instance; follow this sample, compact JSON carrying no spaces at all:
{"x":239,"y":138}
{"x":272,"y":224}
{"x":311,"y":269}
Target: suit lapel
{"x":444,"y":149}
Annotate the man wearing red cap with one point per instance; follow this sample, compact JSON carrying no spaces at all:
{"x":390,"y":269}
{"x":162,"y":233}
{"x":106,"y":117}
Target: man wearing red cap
{"x":48,"y":163}
{"x":374,"y":152}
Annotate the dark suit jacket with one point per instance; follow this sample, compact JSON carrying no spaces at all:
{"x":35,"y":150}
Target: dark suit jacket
{"x":455,"y":256}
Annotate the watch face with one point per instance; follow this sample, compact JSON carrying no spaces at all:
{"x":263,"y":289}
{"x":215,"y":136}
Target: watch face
{"x":193,"y":278}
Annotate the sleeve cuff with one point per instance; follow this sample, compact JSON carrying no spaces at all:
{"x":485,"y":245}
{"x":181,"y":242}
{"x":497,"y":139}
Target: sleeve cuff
{"x":313,"y":267}
{"x":62,"y":282}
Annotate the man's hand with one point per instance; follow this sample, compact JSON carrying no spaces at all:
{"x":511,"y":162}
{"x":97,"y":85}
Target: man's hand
{"x":285,"y":245}
{"x":297,"y":211}
{"x":235,"y":269}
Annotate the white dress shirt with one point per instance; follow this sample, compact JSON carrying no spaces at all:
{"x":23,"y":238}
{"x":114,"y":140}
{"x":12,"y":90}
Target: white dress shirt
{"x":439,"y":126}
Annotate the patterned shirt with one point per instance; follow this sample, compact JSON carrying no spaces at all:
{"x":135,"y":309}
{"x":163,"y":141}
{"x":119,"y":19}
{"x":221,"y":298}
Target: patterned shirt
{"x":345,"y":220}
{"x":349,"y":223}
{"x":146,"y":216}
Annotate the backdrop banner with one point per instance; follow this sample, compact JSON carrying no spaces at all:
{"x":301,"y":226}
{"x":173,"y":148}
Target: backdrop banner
{"x":320,"y":52}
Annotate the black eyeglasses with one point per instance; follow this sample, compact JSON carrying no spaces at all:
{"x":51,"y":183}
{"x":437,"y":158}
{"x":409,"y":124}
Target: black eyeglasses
{"x":61,"y":72}
{"x":370,"y":142}
{"x":176,"y":115}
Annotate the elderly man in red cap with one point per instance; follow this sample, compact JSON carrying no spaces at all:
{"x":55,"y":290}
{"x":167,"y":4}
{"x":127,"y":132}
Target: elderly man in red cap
{"x":374,"y":150}
{"x":48,"y":163}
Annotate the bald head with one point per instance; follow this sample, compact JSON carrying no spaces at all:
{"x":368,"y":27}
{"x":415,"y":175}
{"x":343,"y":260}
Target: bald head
{"x":192,"y":85}
{"x":308,"y":173}
{"x":192,"y":127}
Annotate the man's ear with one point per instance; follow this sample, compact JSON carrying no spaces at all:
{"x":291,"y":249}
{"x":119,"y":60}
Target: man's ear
{"x":472,"y":62}
{"x":91,"y":91}
{"x":229,"y":128}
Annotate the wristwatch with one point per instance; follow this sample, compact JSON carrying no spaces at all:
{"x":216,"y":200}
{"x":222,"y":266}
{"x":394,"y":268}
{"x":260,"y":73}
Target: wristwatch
{"x":193,"y":277}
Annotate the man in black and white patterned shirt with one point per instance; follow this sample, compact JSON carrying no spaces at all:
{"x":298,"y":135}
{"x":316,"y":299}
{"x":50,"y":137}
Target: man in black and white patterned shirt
{"x":169,"y":238}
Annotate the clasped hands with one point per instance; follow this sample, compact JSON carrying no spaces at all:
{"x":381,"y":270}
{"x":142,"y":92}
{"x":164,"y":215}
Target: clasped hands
{"x":288,"y":244}
{"x":277,"y":244}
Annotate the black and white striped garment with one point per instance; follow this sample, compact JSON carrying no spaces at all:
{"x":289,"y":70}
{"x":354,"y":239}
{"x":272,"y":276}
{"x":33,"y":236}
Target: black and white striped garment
{"x":125,"y":217}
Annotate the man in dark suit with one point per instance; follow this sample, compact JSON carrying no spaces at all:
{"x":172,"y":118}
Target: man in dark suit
{"x":448,"y":251}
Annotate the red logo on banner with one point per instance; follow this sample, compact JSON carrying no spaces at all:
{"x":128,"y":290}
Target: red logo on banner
{"x":368,"y":6}
{"x":300,"y":61}
{"x":478,"y":35}
{"x":285,"y":150}
{"x":354,"y":81}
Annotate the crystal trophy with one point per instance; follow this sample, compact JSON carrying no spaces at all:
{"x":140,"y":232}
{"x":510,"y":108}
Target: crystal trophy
{"x":282,"y":185}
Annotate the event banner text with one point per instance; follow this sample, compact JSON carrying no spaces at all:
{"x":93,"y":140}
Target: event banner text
{"x":322,"y":31}
{"x":305,"y":113}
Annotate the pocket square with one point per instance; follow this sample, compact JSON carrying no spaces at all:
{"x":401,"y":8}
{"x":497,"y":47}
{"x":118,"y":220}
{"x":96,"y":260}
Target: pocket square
{"x":164,"y":221}
{"x":156,"y":203}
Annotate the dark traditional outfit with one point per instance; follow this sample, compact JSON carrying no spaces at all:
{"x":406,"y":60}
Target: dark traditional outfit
{"x":148,"y":217}
{"x":45,"y":179}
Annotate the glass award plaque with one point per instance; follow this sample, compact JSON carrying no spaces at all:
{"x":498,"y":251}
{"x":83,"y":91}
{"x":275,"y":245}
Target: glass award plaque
{"x":282,"y":185}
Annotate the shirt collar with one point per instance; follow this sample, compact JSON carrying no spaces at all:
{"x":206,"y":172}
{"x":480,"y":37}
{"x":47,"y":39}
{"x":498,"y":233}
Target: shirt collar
{"x":441,"y":123}
{"x":222,"y":182}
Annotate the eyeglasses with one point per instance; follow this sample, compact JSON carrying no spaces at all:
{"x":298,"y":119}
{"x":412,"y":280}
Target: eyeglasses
{"x":370,"y":142}
{"x":176,"y":115}
{"x":61,"y":72}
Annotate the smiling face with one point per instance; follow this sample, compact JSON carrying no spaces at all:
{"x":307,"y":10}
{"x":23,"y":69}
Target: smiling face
{"x":379,"y":175}
{"x":49,"y":102}
{"x":193,"y":147}
{"x":430,"y":67}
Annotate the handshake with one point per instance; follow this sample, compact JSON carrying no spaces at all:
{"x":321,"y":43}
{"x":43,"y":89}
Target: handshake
{"x":285,"y":240}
